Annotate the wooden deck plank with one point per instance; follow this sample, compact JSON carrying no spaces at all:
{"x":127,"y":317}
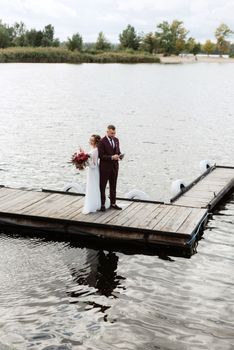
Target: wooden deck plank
{"x":166,"y":219}
{"x":137,"y":212}
{"x":221,"y":177}
{"x":217,"y":177}
{"x":54,"y":204}
{"x":100,"y":216}
{"x":191,"y":199}
{"x":66,"y":212}
{"x":144,"y":217}
{"x":222,"y":172}
{"x":120,"y":220}
{"x":214,"y":183}
{"x":201,"y":189}
{"x":117,"y":212}
{"x":189,"y":225}
{"x":27,"y":203}
{"x":112,"y":214}
{"x":152,"y":212}
{"x":61,"y":206}
{"x":69,"y":215}
{"x":156,"y":216}
{"x":200,"y":195}
{"x":184,"y":202}
{"x":203,"y":196}
{"x":117,"y":215}
{"x":159,"y":215}
{"x":6,"y":192}
{"x":208,"y":186}
{"x":92,"y":217}
{"x":179,"y":218}
{"x":7,"y":199}
{"x":40,"y":206}
{"x":15,"y":203}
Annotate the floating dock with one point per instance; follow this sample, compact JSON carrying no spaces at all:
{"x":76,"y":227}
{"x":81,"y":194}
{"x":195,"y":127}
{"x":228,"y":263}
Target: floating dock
{"x":208,"y":189}
{"x":176,"y":224}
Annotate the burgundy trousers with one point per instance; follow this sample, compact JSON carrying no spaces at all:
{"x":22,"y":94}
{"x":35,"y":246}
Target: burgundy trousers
{"x":108,"y":174}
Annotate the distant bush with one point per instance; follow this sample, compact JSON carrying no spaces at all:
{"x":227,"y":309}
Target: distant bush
{"x":125,"y":57}
{"x":63,"y":55}
{"x":37,"y":55}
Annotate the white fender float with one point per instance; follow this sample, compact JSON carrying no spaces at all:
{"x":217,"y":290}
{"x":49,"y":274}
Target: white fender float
{"x":177,"y":186}
{"x":137,"y":194}
{"x":73,"y":187}
{"x":204,"y":165}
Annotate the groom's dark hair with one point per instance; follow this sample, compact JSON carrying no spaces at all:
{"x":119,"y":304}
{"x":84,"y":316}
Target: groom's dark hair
{"x":112,"y":127}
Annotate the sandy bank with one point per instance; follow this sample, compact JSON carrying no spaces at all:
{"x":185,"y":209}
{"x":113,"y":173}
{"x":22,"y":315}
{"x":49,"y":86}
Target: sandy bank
{"x":192,"y":59}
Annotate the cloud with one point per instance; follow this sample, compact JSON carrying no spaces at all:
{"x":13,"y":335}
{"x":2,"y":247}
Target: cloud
{"x":151,"y":5}
{"x":111,"y":18}
{"x":88,"y":17}
{"x":42,"y":8}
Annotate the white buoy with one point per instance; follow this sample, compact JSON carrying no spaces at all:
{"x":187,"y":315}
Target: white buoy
{"x":177,"y":186}
{"x":204,"y":165}
{"x":73,"y":187}
{"x":137,"y":194}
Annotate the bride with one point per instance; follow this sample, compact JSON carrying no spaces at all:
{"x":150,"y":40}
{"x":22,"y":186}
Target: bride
{"x":93,"y":197}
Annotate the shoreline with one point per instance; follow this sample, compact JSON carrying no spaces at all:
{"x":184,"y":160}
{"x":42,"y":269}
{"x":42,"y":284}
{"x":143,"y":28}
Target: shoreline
{"x":192,"y":59}
{"x":63,"y":55}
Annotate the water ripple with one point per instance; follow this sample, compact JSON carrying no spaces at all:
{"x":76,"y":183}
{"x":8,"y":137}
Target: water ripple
{"x":60,"y":296}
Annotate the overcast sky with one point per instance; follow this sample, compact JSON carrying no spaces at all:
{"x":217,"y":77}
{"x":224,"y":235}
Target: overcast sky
{"x":88,"y":17}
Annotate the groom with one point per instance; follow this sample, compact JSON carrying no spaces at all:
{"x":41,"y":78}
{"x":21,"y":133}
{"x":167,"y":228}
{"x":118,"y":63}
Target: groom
{"x":109,"y":154}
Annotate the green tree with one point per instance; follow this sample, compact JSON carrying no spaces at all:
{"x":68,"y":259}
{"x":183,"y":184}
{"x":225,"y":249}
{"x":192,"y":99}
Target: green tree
{"x":149,"y":43}
{"x":18,"y":34}
{"x":48,"y":36}
{"x":179,"y":33}
{"x":56,"y":42}
{"x":222,"y":33}
{"x":164,"y":37}
{"x":231,"y":50}
{"x":171,"y":37}
{"x":75,"y":42}
{"x":129,"y":38}
{"x":102,"y":43}
{"x":192,"y":46}
{"x":33,"y":37}
{"x":208,"y":47}
{"x":5,"y":39}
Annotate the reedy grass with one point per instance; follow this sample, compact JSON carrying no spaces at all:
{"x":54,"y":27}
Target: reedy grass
{"x":63,"y":55}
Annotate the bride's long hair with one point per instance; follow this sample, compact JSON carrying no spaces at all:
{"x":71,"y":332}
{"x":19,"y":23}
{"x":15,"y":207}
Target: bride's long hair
{"x":97,"y":139}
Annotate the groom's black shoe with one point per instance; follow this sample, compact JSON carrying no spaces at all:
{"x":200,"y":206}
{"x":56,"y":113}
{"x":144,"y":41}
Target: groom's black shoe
{"x":115,"y":206}
{"x":103,"y":208}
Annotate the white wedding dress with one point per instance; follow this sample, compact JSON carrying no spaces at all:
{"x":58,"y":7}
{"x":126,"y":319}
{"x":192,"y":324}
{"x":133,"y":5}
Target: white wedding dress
{"x":92,"y":195}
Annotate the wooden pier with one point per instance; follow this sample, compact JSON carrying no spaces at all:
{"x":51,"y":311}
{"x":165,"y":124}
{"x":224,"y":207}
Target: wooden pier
{"x":208,"y":189}
{"x":176,"y":224}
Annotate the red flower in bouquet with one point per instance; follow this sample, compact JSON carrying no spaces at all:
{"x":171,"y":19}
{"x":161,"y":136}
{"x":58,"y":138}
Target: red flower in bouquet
{"x":80,"y":160}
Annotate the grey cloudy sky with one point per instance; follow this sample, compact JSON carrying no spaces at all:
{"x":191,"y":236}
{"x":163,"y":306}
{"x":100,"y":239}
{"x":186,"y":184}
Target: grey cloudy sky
{"x":88,"y":17}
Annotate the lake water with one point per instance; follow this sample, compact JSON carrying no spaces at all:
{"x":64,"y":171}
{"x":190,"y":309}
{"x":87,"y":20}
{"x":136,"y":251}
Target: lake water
{"x":56,"y":295}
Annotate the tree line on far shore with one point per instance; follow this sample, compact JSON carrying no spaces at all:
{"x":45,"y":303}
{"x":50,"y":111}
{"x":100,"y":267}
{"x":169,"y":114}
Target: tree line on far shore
{"x":168,"y":39}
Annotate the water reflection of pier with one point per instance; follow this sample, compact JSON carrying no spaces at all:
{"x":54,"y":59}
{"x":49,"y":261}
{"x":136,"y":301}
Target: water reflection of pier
{"x":100,"y":273}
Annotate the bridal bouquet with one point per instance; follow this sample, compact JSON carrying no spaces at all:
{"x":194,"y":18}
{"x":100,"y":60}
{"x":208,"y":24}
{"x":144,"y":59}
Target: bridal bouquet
{"x":80,"y":160}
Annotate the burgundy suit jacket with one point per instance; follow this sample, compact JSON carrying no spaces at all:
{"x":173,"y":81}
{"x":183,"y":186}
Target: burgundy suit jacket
{"x":106,"y":151}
